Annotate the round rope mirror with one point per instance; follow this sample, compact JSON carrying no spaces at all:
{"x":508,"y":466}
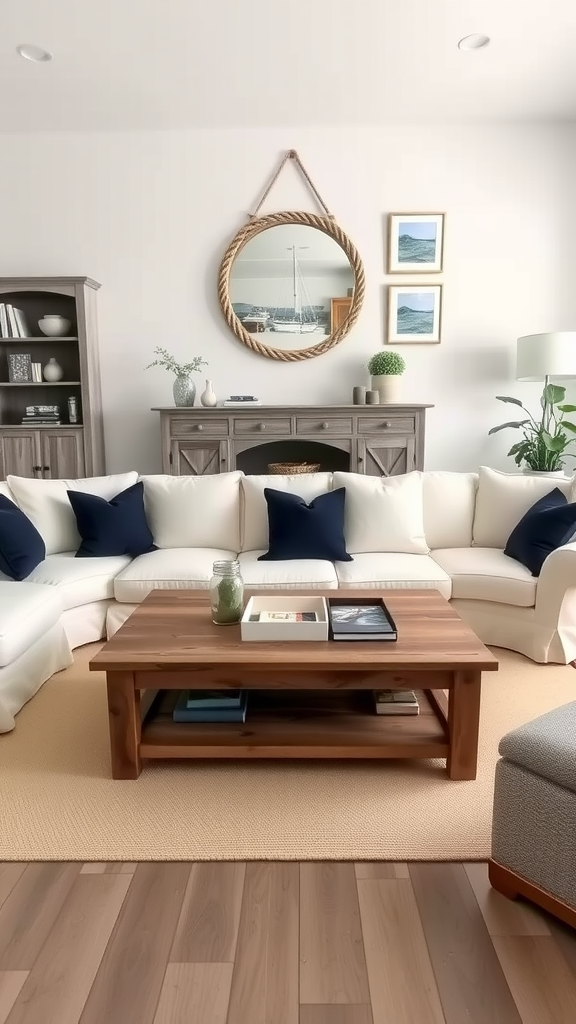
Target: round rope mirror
{"x":291,"y":285}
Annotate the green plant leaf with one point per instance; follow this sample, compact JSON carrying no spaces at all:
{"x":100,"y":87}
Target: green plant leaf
{"x":571,"y":426}
{"x":553,"y":393}
{"x":567,"y":408}
{"x":554,"y":444}
{"x":514,"y":401}
{"x":511,"y":423}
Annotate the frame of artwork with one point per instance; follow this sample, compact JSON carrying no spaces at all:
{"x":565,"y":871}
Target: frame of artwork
{"x":414,"y":314}
{"x":415,"y":243}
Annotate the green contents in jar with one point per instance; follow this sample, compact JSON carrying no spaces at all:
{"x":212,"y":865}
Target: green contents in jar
{"x":226,"y":593}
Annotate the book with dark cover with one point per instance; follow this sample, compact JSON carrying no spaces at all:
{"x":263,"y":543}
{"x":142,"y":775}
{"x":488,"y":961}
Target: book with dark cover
{"x":183,"y":713}
{"x":214,"y":698}
{"x":360,"y":620}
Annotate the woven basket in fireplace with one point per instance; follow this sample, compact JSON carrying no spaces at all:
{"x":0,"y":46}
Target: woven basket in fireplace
{"x":292,"y":468}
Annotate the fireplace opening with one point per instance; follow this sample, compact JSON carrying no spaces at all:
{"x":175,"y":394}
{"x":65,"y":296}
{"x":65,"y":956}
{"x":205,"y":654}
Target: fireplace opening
{"x":255,"y":461}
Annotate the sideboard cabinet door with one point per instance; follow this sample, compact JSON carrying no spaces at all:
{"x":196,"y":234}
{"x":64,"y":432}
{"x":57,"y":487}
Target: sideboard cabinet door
{"x":20,"y":453}
{"x":386,"y":456}
{"x":62,"y":453}
{"x":198,"y":458}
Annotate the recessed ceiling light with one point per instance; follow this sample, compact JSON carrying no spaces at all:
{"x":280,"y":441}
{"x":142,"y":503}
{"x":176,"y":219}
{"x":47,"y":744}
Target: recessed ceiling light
{"x":474,"y":42}
{"x":31,"y":52}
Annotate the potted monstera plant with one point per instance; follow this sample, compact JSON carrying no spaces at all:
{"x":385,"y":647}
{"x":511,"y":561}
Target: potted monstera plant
{"x":544,"y":443}
{"x":386,"y":369}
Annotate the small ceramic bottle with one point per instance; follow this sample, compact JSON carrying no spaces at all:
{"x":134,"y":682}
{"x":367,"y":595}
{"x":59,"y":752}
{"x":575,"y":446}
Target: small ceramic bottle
{"x":52,"y":371}
{"x":208,"y":398}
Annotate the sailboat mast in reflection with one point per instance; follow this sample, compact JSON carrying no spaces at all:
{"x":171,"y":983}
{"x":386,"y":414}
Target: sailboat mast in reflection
{"x":301,"y":319}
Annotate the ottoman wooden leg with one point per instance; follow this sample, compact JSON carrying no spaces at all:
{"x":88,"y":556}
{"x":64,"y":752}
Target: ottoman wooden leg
{"x":512,"y":885}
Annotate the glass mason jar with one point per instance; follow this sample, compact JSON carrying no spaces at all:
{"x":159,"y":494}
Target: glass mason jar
{"x":226,"y":593}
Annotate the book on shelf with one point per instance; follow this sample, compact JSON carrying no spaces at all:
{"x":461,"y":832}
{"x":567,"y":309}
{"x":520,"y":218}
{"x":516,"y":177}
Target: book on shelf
{"x":232,"y":403}
{"x":42,"y":410}
{"x":183,"y":713}
{"x":4,"y":332}
{"x":396,"y":702}
{"x":360,"y":620}
{"x":213,"y":698}
{"x":37,"y":373}
{"x":13,"y":322}
{"x":29,"y":421}
{"x":21,"y":323}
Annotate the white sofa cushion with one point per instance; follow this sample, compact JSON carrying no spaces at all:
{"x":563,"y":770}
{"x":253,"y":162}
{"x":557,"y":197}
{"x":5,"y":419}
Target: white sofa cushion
{"x":46,"y":503}
{"x":286,"y":575}
{"x":27,"y":611}
{"x":254,"y":533}
{"x":194,"y":511}
{"x":448,"y":500}
{"x":383,"y":513}
{"x":167,"y":569}
{"x":393,"y":570}
{"x":502,"y":500}
{"x":79,"y":580}
{"x":487,"y":574}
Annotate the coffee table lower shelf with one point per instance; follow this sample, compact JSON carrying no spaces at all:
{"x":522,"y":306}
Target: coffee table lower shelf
{"x":301,"y":725}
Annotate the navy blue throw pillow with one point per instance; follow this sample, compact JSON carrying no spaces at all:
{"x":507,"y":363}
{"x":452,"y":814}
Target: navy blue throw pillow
{"x":298,"y":530}
{"x":21,"y":546}
{"x":549,"y":523}
{"x":116,"y":527}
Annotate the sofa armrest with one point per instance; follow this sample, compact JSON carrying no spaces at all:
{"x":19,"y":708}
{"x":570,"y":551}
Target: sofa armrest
{"x":556,"y":589}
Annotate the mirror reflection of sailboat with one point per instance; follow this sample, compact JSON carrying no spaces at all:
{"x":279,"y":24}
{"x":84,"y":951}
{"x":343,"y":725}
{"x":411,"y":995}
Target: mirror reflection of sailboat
{"x":301,"y":319}
{"x":257,"y":315}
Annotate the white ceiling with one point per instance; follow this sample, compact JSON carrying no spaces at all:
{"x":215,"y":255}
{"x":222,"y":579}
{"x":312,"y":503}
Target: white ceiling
{"x":146,"y":64}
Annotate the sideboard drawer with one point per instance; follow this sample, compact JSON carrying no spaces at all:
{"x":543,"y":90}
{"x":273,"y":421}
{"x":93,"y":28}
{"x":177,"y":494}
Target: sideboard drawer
{"x":262,"y":425}
{"x":182,"y":426}
{"x":341,"y":425}
{"x":387,"y":423}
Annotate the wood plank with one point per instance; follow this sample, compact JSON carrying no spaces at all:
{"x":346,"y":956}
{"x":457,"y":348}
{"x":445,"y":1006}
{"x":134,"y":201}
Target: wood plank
{"x":208,"y":927}
{"x":195,"y":992}
{"x":265,"y":977}
{"x":332,"y":961}
{"x":127,"y":986}
{"x":30,"y":910}
{"x":381,"y":869}
{"x":110,"y":868}
{"x":58,"y":985}
{"x":503,"y":916}
{"x":565,"y":938}
{"x":470,"y":980}
{"x":401,"y":978}
{"x":10,"y":984}
{"x":542,"y":984}
{"x":335,"y":1014}
{"x":9,"y":875}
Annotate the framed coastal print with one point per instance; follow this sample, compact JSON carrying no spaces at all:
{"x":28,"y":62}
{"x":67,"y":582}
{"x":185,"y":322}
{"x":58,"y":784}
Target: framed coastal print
{"x":415,"y":243}
{"x":414,"y":313}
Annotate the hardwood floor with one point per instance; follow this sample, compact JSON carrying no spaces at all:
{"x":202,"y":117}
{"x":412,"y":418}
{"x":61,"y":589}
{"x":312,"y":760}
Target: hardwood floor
{"x":276,"y":943}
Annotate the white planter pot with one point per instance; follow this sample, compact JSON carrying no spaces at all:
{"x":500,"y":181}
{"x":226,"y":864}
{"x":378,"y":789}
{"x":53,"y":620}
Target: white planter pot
{"x":388,"y":387}
{"x":557,"y":474}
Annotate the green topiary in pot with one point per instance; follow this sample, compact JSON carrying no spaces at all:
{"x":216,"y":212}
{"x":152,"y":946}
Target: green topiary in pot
{"x":385,"y":369}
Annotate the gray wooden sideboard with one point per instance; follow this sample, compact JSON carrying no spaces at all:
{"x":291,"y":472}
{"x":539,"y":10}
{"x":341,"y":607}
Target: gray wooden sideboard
{"x":379,"y":440}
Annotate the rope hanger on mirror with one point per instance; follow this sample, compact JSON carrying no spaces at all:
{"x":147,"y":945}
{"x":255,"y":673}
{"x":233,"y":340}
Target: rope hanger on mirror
{"x":291,"y":154}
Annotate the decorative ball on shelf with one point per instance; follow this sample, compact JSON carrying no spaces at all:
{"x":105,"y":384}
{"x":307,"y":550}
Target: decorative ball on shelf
{"x":53,"y":325}
{"x":52,"y":372}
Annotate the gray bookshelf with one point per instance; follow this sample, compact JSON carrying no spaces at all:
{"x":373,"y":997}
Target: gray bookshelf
{"x":68,"y":449}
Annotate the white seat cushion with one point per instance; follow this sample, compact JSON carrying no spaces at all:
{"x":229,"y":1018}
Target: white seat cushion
{"x":46,"y":503}
{"x":383,"y":513}
{"x":167,"y":569}
{"x":254,"y":534}
{"x":286,"y":574}
{"x":79,"y":580}
{"x":27,"y":611}
{"x":194,"y":511}
{"x":502,"y":500}
{"x":393,"y":570}
{"x":487,"y":574}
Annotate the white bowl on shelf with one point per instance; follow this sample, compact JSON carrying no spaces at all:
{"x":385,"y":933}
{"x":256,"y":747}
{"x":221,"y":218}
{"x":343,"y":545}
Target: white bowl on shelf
{"x":53,"y":325}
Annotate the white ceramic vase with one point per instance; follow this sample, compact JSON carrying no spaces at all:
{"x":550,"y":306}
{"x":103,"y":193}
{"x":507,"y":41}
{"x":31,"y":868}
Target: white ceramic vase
{"x":208,"y":396}
{"x":388,"y":387}
{"x":52,"y":372}
{"x":53,"y":325}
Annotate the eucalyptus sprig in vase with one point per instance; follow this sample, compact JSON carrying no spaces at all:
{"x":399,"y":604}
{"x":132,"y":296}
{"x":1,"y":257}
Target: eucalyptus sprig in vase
{"x":183,"y":389}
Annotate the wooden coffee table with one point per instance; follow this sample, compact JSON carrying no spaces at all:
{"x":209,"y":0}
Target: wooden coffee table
{"x":313,"y":699}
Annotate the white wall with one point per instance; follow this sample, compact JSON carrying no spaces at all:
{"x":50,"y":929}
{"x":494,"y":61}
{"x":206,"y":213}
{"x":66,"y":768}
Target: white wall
{"x":149,"y":215}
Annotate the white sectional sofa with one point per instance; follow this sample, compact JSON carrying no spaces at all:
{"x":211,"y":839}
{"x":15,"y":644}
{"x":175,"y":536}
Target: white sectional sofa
{"x":437,"y":530}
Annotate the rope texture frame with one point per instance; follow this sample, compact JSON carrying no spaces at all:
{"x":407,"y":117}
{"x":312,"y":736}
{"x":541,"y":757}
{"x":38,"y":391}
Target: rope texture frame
{"x":249,"y":231}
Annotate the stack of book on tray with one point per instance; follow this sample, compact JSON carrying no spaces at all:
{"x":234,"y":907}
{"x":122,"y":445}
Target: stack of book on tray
{"x":396,"y":702}
{"x":211,"y":706}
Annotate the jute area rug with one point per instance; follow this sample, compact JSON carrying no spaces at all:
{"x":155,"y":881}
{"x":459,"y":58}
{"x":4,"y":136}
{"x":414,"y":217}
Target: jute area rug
{"x":58,"y":802}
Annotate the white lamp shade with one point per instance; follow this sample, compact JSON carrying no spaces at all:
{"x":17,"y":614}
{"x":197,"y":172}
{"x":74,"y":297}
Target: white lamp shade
{"x":546,"y":355}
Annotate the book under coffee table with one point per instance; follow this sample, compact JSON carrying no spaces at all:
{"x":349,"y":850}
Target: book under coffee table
{"x":309,"y":700}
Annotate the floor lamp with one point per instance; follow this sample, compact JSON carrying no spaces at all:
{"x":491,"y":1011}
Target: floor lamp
{"x":546,"y":357}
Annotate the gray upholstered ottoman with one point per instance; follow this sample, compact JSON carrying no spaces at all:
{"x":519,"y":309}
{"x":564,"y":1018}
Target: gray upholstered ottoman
{"x":534,"y":822}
